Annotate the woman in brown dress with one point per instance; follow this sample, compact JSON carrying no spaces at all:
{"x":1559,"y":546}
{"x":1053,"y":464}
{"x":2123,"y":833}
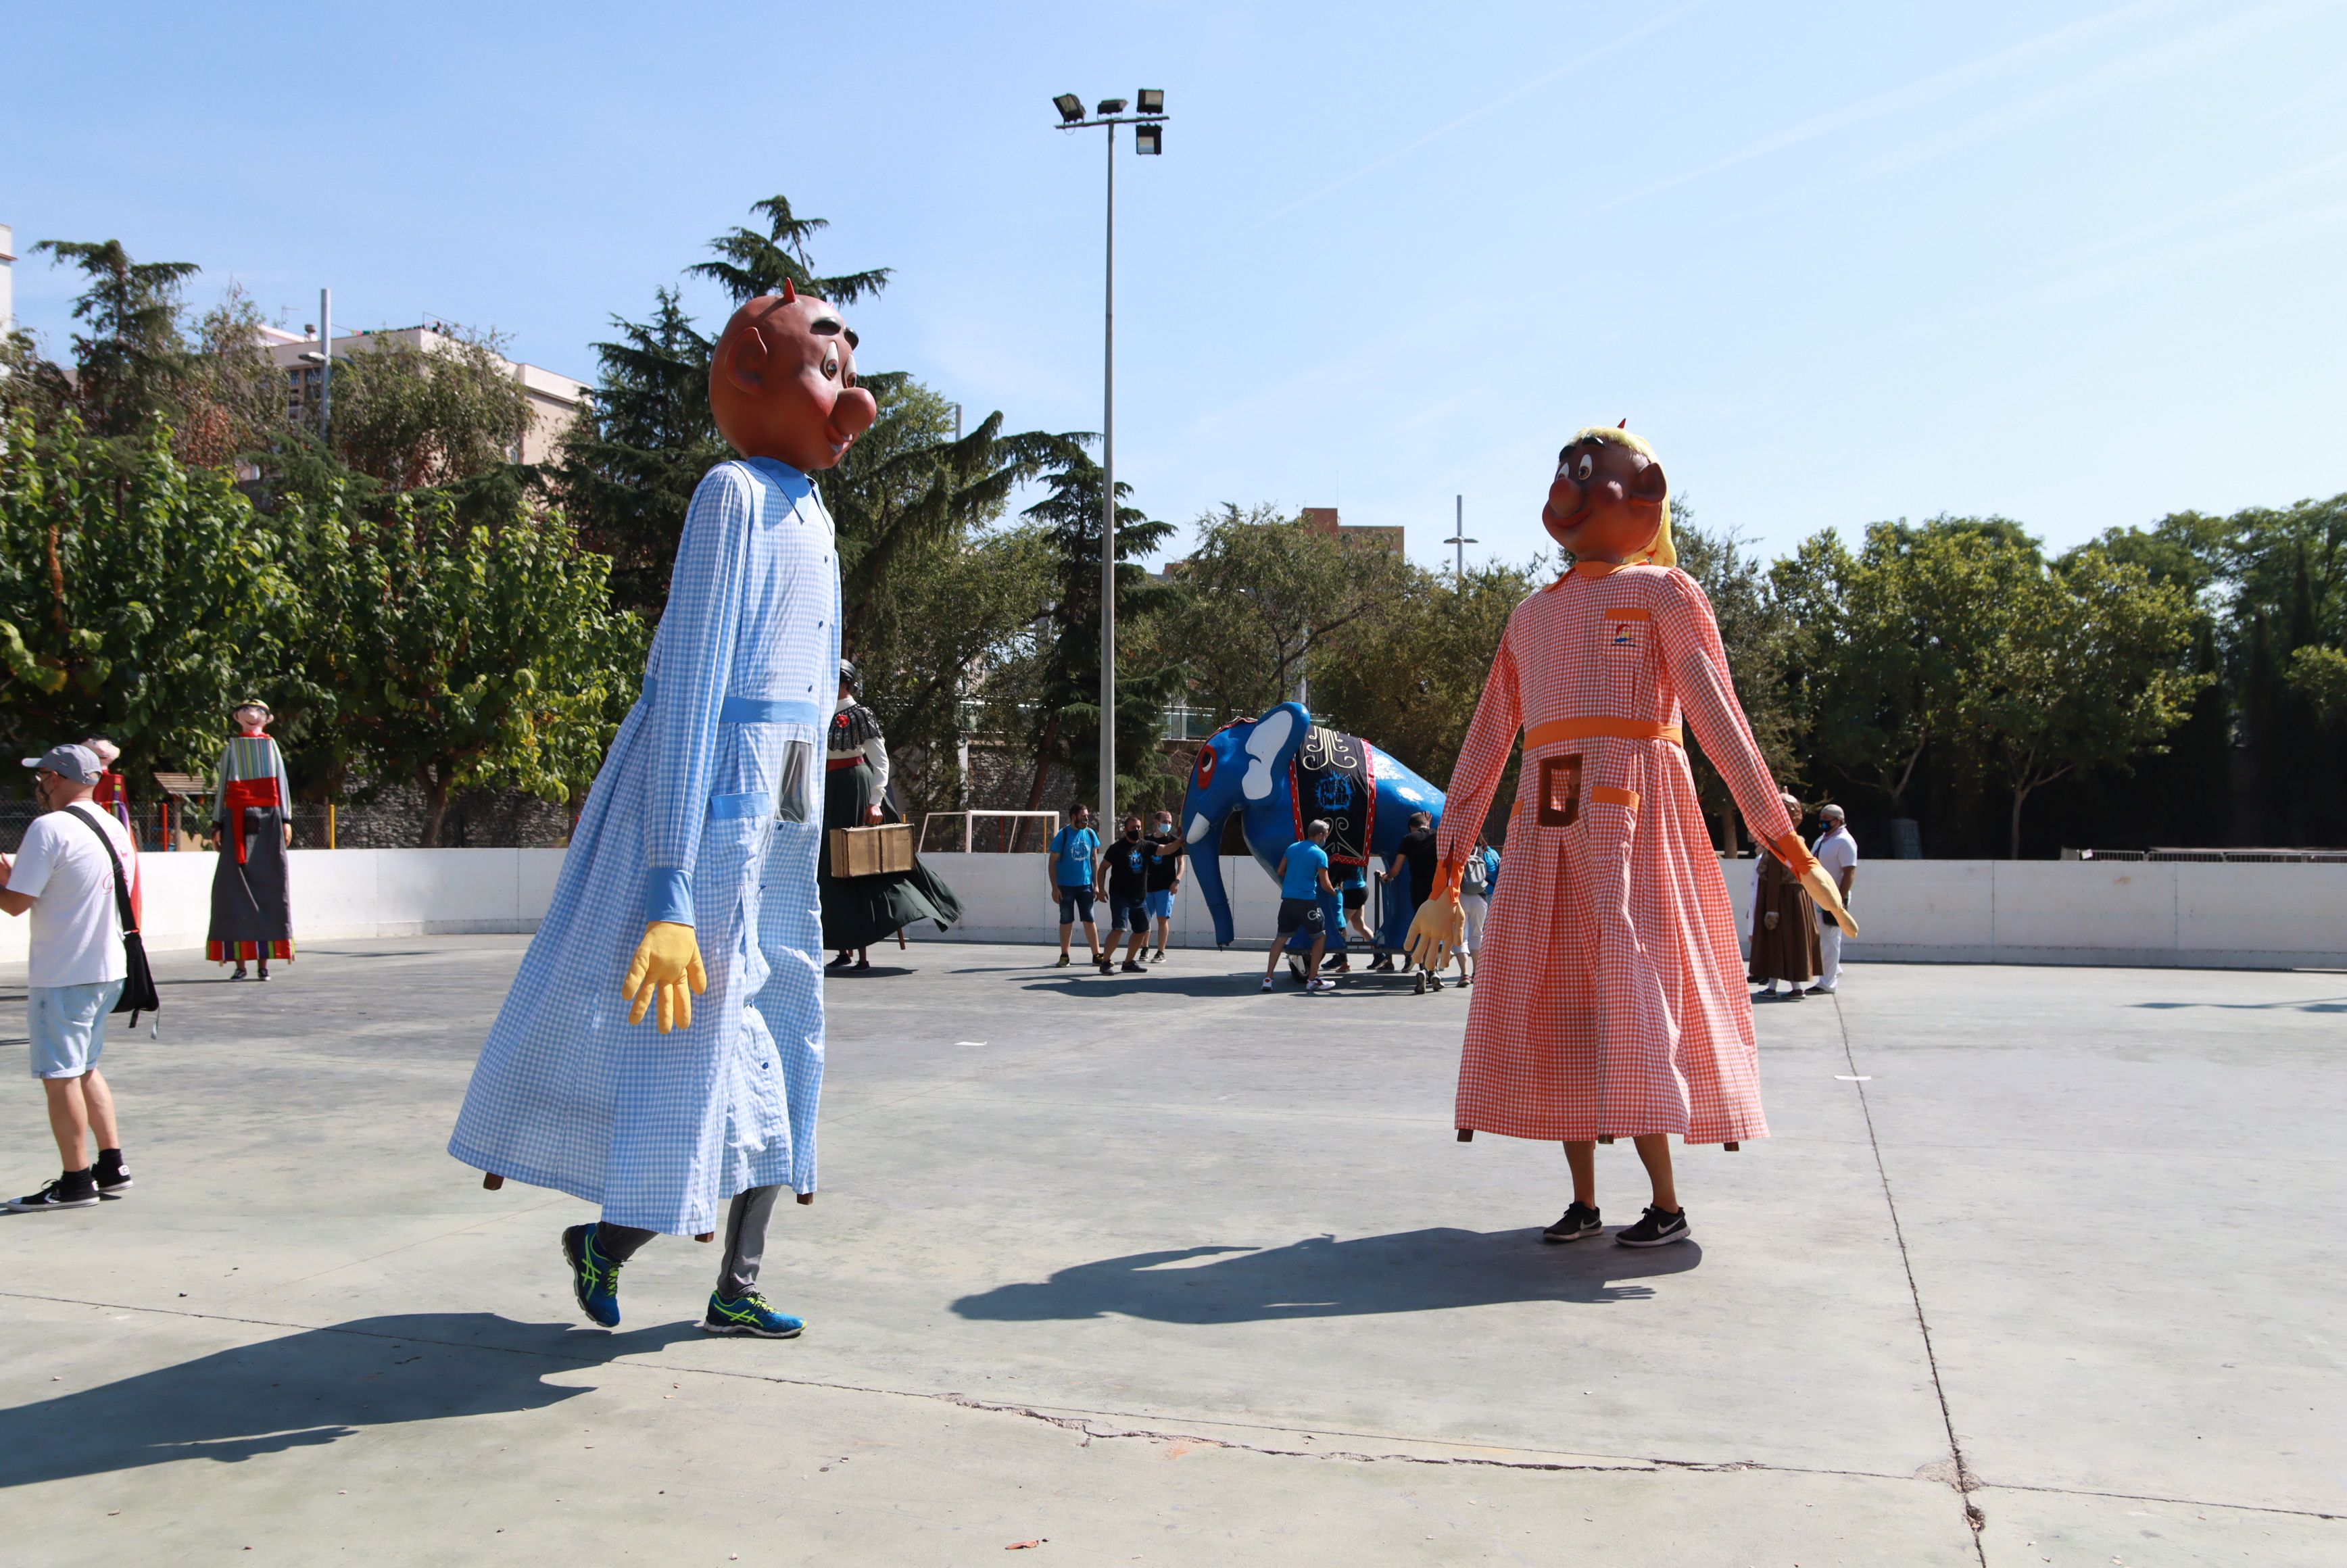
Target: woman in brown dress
{"x":1783,"y":926}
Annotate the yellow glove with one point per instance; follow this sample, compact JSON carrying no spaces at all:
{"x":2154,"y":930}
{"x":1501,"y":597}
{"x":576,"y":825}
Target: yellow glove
{"x":1435,"y":934}
{"x":1820,"y":886}
{"x":1816,"y":880}
{"x":667,"y":961}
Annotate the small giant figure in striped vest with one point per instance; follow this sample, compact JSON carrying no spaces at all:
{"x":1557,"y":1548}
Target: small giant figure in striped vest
{"x":1609,"y":999}
{"x":252,"y":822}
{"x":692,"y":872}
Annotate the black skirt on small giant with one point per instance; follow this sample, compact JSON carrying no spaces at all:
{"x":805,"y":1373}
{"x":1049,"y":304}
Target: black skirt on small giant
{"x":859,"y":911}
{"x":252,"y":915}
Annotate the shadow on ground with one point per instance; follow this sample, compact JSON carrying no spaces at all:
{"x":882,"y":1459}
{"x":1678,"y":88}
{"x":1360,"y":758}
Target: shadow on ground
{"x":309,"y":1388}
{"x":1409,"y":1271}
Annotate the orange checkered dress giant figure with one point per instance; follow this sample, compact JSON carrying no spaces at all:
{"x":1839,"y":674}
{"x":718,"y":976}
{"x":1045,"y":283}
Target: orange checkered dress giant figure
{"x":1609,"y":999}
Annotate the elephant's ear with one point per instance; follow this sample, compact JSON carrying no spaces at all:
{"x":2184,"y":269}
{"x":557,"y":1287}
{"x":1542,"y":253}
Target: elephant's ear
{"x":1269,"y":745}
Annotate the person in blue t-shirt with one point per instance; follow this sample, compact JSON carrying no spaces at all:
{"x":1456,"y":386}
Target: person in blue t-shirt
{"x":1075,"y":872}
{"x":1303,"y":878}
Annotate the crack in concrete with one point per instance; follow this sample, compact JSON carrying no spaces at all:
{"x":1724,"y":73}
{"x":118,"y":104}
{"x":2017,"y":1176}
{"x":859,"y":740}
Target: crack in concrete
{"x":1959,"y":1474}
{"x":1938,"y":1473}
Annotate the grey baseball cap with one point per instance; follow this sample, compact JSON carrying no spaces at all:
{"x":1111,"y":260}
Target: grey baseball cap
{"x":77,"y":764}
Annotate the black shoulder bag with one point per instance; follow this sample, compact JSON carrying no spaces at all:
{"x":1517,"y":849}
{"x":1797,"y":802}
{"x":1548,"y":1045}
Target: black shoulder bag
{"x":138,"y":982}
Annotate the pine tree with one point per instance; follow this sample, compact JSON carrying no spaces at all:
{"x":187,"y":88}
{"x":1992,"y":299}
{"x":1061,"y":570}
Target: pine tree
{"x":750,"y":264}
{"x":628,"y":467}
{"x":130,"y":363}
{"x":1066,"y":728}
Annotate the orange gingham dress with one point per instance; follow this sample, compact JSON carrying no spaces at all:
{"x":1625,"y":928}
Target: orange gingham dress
{"x":1609,"y":999}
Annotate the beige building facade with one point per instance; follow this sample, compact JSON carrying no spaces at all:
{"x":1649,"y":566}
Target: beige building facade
{"x":555,"y":400}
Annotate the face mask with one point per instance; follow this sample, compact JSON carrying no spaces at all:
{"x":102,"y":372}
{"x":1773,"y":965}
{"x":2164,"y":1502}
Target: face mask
{"x":1131,"y":834}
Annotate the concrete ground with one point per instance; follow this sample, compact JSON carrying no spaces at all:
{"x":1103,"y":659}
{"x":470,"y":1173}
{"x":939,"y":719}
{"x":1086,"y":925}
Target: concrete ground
{"x":1158,"y":1269}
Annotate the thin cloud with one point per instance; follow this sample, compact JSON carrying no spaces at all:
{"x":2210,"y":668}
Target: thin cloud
{"x":1624,"y":41}
{"x":1914,"y":93}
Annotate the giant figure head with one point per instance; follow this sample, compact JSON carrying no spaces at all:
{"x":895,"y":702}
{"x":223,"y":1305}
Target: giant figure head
{"x":782,"y":383}
{"x":1610,"y":500}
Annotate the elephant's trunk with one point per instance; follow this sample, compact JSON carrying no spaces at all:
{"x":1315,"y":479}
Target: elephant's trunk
{"x":1205,"y":852}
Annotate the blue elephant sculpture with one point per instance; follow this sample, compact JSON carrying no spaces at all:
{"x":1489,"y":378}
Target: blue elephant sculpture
{"x":1280,"y":770}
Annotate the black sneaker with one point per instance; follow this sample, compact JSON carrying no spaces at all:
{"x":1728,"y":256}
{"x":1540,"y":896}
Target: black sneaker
{"x":1106,"y":968}
{"x":112,"y":1180}
{"x":1132,"y":967}
{"x":1433,"y":981}
{"x":1656,"y":1227}
{"x":74,"y":1190}
{"x":1580,"y":1220}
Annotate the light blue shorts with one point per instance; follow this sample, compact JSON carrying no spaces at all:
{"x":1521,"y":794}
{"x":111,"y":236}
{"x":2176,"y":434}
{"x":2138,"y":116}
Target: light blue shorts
{"x":1159,"y":903}
{"x":69,"y":1025}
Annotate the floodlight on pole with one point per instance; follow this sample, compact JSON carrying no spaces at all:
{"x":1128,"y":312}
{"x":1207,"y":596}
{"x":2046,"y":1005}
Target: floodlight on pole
{"x":1148,"y":138}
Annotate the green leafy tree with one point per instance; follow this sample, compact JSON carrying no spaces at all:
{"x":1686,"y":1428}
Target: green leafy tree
{"x":1065,"y":726}
{"x":1261,"y":594}
{"x":1757,"y":632}
{"x":1885,"y":643}
{"x":1407,"y":672}
{"x":130,"y":359}
{"x":232,"y":397}
{"x":2083,"y":665}
{"x":961,"y":634}
{"x":139,"y":598}
{"x":467,"y":653}
{"x":435,"y":412}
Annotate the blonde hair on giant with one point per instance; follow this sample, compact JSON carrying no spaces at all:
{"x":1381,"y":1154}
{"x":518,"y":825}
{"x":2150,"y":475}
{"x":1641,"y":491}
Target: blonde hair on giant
{"x":1664,"y":552}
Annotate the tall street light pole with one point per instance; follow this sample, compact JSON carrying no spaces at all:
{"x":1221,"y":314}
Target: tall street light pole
{"x":323,"y":356}
{"x":1459,"y":537}
{"x":1148,"y":141}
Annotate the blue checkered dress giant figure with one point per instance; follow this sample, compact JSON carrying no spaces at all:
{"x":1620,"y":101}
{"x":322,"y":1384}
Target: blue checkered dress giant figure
{"x":692,"y":819}
{"x":692,"y":869}
{"x":1278,"y":772}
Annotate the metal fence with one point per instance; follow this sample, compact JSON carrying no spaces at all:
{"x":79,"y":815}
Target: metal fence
{"x":167,"y":824}
{"x":2218,"y":856}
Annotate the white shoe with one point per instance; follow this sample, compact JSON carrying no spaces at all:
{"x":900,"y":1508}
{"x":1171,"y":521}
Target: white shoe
{"x":1266,"y":982}
{"x":1321,"y":985}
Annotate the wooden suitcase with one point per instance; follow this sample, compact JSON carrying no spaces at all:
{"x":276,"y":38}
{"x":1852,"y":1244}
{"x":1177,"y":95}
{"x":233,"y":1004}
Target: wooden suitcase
{"x":872,"y":851}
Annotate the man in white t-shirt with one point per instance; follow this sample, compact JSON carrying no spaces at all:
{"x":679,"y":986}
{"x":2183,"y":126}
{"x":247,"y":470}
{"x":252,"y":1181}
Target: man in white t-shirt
{"x":65,"y":876}
{"x":1837,"y":851}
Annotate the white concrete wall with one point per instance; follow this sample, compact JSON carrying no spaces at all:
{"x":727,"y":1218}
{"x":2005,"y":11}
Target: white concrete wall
{"x":2140,"y":913}
{"x":345,"y":893}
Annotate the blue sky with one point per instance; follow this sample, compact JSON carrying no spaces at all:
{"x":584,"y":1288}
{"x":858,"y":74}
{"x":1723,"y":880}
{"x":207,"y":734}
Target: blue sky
{"x":2075,"y":263}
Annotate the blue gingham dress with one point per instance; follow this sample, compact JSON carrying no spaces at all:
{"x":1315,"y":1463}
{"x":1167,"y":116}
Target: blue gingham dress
{"x":708,"y":810}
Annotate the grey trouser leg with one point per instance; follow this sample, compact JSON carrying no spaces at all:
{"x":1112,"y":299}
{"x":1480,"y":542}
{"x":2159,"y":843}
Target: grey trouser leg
{"x":619,"y":1243}
{"x":745,"y":1241}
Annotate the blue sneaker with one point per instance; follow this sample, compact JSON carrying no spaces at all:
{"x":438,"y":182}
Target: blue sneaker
{"x":594,"y":1278}
{"x":749,"y":1315}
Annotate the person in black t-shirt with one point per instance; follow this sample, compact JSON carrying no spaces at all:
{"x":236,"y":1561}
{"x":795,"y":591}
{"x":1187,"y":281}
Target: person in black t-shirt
{"x":1417,"y":851}
{"x":1164,"y":877}
{"x":1128,"y":885}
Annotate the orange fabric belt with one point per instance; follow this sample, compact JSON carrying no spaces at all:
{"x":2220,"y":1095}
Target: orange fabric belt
{"x":1611,"y":729}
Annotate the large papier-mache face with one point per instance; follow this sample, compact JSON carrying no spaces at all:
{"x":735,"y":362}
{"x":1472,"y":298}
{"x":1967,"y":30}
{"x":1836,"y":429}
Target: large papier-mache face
{"x":782,"y":383}
{"x":1607,"y":502}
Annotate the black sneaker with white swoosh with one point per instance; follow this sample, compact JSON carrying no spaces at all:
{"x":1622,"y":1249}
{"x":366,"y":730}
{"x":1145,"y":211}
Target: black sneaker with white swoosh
{"x":1656,"y":1227}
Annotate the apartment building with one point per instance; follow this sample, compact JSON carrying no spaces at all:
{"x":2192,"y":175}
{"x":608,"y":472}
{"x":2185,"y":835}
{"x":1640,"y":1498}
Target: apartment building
{"x":555,"y":400}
